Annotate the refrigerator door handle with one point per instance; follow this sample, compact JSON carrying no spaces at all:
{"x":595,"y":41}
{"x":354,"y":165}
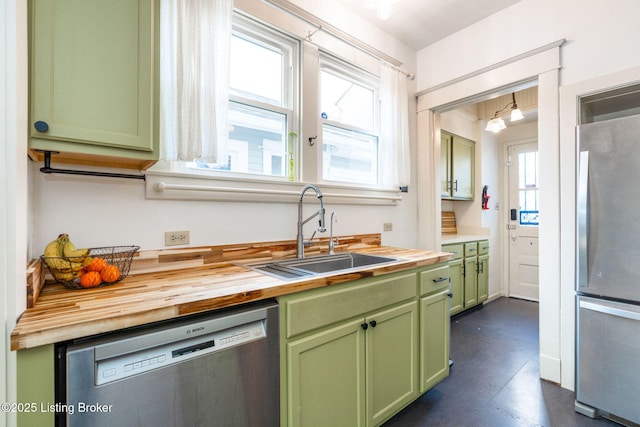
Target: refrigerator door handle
{"x":610,"y":310}
{"x":582,"y":214}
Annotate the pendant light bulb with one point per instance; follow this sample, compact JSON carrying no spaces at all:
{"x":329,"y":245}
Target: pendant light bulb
{"x":495,"y":125}
{"x":516,"y":114}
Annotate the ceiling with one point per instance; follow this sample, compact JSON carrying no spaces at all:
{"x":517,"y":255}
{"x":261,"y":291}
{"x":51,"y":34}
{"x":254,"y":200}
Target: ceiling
{"x":419,"y":23}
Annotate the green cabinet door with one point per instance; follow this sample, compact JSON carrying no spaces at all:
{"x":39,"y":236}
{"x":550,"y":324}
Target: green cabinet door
{"x":93,"y":76}
{"x":434,"y":339}
{"x":392,"y":361}
{"x":456,"y":286}
{"x":470,"y":272}
{"x":483,"y":278}
{"x":445,"y":164}
{"x":457,"y":166}
{"x":462,"y":170}
{"x":326,"y":382}
{"x":35,"y":369}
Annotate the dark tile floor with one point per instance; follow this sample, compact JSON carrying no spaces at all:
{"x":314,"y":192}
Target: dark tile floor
{"x":495,"y":379}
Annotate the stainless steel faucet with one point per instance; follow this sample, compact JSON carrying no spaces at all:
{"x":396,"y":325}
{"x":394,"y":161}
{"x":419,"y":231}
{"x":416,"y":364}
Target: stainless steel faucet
{"x":331,"y":243}
{"x":319,"y":214}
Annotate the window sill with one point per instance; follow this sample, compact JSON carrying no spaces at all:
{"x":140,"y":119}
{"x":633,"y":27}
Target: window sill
{"x":162,"y":183}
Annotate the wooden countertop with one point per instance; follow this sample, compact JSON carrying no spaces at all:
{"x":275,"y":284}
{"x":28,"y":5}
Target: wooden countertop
{"x":448,"y":239}
{"x":62,"y":314}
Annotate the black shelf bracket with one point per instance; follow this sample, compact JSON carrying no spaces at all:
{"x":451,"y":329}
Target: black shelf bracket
{"x":48,"y":169}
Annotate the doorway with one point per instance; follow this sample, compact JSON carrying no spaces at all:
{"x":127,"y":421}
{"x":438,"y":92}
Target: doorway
{"x":523,"y":220}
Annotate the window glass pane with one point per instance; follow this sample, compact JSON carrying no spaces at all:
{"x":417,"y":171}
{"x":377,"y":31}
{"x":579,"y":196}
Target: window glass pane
{"x":349,"y":156}
{"x":257,"y":142}
{"x":528,"y":188}
{"x":346,"y":101}
{"x":256,"y":71}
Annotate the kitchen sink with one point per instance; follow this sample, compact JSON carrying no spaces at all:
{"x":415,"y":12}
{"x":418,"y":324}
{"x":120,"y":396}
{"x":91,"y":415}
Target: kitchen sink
{"x":301,"y":267}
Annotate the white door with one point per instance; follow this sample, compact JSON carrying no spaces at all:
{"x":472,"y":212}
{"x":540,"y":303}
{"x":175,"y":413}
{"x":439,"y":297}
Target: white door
{"x":522,"y":220}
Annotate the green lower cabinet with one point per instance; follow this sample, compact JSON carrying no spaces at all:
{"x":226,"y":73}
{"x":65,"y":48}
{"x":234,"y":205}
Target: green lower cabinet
{"x":434,"y":339}
{"x":391,"y":361}
{"x":483,"y":278}
{"x":469,"y":274}
{"x":351,"y":376}
{"x":35,"y":371}
{"x":456,"y":286}
{"x":355,"y":354}
{"x":326,"y":381}
{"x":470,"y":282}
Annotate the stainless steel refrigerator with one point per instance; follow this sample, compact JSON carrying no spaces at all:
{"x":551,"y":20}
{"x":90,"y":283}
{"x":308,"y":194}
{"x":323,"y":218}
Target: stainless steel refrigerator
{"x":608,"y":269}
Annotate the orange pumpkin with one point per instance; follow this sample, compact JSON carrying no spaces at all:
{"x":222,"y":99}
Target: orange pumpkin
{"x":90,"y":279}
{"x":110,"y":273}
{"x":97,"y":264}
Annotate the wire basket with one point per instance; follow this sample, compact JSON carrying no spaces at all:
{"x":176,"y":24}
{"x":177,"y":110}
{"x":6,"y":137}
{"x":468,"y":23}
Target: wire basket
{"x":68,"y":271}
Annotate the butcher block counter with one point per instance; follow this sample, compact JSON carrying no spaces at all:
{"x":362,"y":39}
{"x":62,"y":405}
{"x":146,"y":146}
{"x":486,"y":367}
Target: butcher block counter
{"x":171,"y":283}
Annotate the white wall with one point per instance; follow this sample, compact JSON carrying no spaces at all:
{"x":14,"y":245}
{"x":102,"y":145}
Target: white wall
{"x":601,"y":39}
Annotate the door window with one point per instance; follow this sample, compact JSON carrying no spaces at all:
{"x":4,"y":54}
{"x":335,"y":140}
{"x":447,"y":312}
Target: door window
{"x":528,"y":188}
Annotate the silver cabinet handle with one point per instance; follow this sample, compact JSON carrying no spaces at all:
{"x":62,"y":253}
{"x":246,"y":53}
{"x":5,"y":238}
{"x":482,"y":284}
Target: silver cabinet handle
{"x":583,"y":227}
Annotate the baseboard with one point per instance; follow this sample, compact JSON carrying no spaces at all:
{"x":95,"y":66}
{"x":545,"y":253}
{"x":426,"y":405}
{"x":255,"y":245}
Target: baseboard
{"x":550,"y":368}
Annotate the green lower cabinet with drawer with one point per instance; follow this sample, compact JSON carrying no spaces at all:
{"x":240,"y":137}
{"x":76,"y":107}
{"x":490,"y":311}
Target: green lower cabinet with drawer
{"x":434,"y":326}
{"x":469,"y":272}
{"x":354,"y":354}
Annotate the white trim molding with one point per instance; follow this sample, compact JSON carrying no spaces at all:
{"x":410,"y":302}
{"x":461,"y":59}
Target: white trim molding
{"x":172,"y":186}
{"x":539,"y":65}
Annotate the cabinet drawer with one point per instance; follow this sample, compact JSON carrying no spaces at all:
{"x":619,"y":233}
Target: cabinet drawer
{"x":471,"y":249}
{"x":321,"y":307}
{"x":434,"y":279}
{"x":483,"y":247}
{"x":456,"y":250}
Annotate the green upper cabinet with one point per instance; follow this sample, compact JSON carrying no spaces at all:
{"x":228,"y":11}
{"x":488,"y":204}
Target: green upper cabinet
{"x":93,"y":68}
{"x":457,"y":163}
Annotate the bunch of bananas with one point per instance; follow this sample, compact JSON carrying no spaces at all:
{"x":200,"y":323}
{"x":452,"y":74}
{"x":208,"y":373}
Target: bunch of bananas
{"x":64,"y":260}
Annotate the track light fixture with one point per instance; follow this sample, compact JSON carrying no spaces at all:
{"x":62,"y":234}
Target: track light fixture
{"x":496,"y":124}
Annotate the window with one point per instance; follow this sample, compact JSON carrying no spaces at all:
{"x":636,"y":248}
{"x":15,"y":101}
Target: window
{"x":528,"y":188}
{"x":262,"y":100}
{"x":272,"y":126}
{"x":350,"y":118}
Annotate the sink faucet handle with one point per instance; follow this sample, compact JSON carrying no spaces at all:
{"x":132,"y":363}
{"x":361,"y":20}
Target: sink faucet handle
{"x":321,"y":227}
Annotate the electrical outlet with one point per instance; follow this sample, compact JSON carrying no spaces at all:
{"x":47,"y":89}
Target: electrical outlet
{"x":387,"y":226}
{"x":172,"y":238}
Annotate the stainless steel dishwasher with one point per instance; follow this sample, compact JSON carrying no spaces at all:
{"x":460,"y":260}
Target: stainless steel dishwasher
{"x":220,"y":369}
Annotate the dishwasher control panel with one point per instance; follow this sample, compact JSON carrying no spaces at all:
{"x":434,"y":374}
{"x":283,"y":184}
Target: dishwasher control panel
{"x":126,"y":365}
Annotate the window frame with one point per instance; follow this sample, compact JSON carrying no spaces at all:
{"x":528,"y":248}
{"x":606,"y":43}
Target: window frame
{"x":361,"y":77}
{"x":175,"y":181}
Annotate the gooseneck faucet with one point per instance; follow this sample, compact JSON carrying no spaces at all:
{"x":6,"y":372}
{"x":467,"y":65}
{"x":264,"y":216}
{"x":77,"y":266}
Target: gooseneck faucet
{"x":319,"y":214}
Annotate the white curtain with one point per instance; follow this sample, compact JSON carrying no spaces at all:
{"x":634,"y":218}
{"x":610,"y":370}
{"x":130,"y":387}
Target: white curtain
{"x":394,"y":128}
{"x":195,"y":37}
